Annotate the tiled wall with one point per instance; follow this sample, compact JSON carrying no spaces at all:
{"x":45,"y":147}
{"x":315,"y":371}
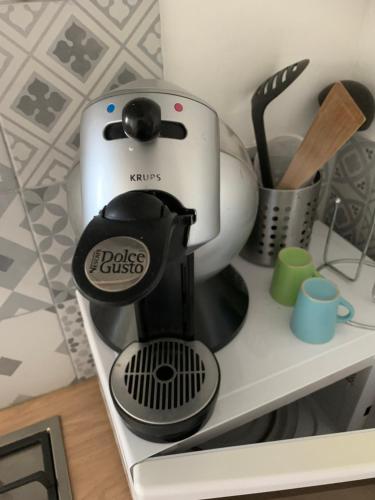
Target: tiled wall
{"x":352,"y":179}
{"x":55,"y":56}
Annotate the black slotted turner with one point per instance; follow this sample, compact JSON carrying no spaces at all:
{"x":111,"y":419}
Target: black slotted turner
{"x":265,"y":93}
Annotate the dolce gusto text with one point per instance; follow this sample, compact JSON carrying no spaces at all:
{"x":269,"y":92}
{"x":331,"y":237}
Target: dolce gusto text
{"x":120,"y":262}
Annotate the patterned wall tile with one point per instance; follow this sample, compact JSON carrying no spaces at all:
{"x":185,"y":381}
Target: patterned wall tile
{"x":353,"y":180}
{"x":124,"y":75}
{"x":8,"y":366}
{"x":118,"y":11}
{"x":42,"y":104}
{"x":25,"y":22}
{"x":326,"y":180}
{"x":35,"y":162}
{"x":26,"y":153}
{"x":366,"y":225}
{"x":74,"y":140}
{"x":22,"y":284}
{"x":12,"y":60}
{"x":76,"y":339}
{"x":67,"y":140}
{"x":21,"y":17}
{"x":34,"y":358}
{"x":7,"y":176}
{"x":120,"y":73}
{"x":77,"y":48}
{"x":149,"y":42}
{"x":119,"y":17}
{"x":47,"y":209}
{"x":54,"y":168}
{"x":144,"y":43}
{"x":5,"y":58}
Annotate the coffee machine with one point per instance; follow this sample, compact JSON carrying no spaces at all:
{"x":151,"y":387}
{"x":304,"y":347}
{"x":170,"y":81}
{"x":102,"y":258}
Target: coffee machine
{"x":168,"y":198}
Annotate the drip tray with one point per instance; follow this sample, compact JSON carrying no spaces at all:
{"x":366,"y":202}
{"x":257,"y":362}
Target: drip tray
{"x":165,"y":383}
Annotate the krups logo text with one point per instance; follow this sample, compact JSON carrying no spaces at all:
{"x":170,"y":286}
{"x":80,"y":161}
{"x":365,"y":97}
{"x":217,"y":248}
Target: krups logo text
{"x":123,"y":262}
{"x":145,"y":177}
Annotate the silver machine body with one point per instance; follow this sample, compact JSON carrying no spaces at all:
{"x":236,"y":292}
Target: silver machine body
{"x":208,"y":171}
{"x":166,"y":323}
{"x":109,"y":168}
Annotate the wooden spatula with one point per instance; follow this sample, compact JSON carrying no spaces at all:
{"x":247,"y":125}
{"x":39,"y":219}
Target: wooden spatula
{"x":337,"y":120}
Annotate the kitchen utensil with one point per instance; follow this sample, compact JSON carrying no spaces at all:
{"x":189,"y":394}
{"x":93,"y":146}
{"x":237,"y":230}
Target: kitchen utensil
{"x":315,"y":315}
{"x":293,"y":266}
{"x":280,"y":152}
{"x":285,"y":218}
{"x":360,"y":94}
{"x":336,"y":121}
{"x":265,"y":93}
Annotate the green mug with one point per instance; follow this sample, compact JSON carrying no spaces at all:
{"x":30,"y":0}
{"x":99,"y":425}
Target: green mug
{"x":293,"y":266}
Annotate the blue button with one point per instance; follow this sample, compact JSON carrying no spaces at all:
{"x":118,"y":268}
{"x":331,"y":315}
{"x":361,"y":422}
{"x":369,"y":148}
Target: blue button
{"x":111,"y":108}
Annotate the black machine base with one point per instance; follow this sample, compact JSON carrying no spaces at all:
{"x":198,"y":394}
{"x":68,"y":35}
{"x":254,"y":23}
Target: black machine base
{"x":221,"y":304}
{"x":165,"y":389}
{"x":167,"y":433}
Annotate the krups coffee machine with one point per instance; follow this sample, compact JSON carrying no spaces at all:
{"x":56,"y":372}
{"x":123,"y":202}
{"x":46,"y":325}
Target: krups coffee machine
{"x":168,"y":199}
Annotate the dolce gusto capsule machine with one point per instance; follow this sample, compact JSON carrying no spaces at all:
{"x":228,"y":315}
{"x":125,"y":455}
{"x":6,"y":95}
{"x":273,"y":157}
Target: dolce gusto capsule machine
{"x":168,"y":199}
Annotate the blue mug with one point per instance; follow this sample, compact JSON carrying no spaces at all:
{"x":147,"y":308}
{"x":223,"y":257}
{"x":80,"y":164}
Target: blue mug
{"x":315,"y":314}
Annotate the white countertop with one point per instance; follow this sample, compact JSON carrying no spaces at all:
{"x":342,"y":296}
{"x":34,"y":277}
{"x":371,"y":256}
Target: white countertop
{"x":265,"y":366}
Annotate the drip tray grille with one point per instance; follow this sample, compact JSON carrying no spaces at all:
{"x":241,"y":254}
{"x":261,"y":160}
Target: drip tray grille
{"x":164,"y":375}
{"x":164,"y":381}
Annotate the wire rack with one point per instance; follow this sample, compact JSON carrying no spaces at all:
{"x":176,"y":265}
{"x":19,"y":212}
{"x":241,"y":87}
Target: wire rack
{"x":362,"y":261}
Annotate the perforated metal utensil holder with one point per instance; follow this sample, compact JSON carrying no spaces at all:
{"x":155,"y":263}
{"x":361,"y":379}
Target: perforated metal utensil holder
{"x":285,"y":218}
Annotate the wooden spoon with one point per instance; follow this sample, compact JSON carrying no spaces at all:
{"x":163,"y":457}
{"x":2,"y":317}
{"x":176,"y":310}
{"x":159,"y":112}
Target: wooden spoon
{"x":337,"y":120}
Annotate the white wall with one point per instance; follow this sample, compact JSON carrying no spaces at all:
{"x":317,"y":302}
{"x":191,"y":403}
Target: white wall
{"x":222,"y":50}
{"x":364,"y":70}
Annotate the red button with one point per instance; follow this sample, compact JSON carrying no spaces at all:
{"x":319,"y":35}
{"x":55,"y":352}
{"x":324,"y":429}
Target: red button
{"x":178,"y":106}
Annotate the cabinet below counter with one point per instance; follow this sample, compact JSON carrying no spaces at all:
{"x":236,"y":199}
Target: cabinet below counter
{"x":95,"y":469}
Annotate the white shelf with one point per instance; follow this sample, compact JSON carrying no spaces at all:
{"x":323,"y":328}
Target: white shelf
{"x":265,"y":366}
{"x":302,"y":418}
